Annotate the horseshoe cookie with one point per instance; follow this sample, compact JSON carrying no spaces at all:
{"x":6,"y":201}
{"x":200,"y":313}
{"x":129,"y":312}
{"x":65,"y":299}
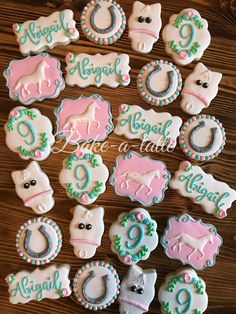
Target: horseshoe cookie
{"x":39,"y":240}
{"x":103,"y":22}
{"x":96,"y":285}
{"x":202,"y":137}
{"x":159,"y":82}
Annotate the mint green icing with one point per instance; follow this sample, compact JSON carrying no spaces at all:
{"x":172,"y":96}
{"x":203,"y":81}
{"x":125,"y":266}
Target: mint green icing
{"x":190,"y":36}
{"x":184,"y":301}
{"x":30,"y":132}
{"x":86,"y":178}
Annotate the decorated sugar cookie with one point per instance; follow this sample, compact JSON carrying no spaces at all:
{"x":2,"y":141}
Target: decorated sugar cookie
{"x":183,"y":292}
{"x":86,"y":230}
{"x":46,"y":32}
{"x":186,"y":36}
{"x":202,"y":137}
{"x":159,"y":82}
{"x":200,"y":87}
{"x":191,"y":241}
{"x":147,"y":125}
{"x":215,"y":197}
{"x":144,"y":26}
{"x":137,"y":290}
{"x":133,"y":236}
{"x":84,"y":70}
{"x":38,"y":241}
{"x":84,"y":176}
{"x":29,"y":133}
{"x":34,"y":78}
{"x":48,"y":283}
{"x":140,"y":178}
{"x":96,"y":285}
{"x":103,"y":22}
{"x":84,"y":119}
{"x":33,"y":187}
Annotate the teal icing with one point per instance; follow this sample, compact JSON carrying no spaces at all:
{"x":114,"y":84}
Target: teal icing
{"x":31,"y":131}
{"x":86,"y":177}
{"x":187,"y":302}
{"x":138,"y":238}
{"x":191,"y":36}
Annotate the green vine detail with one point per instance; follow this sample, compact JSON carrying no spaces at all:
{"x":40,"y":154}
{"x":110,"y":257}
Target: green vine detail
{"x":193,"y":50}
{"x":185,"y":17}
{"x":180,"y":279}
{"x":197,"y":312}
{"x":44,"y":144}
{"x":11,"y":121}
{"x":93,"y":193}
{"x":134,"y":217}
{"x":166,"y":308}
{"x":90,"y":157}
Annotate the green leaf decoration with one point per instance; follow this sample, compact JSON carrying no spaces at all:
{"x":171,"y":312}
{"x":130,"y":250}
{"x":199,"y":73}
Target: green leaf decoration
{"x":166,"y":307}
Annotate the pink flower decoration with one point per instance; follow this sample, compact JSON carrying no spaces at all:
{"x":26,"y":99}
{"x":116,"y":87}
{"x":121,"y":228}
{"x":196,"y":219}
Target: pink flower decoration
{"x":70,"y":56}
{"x":124,"y":107}
{"x":186,"y":164}
{"x":190,"y":13}
{"x":14,"y":114}
{"x":125,"y":77}
{"x":65,"y":292}
{"x":140,"y":216}
{"x":16,"y":27}
{"x":85,"y":198}
{"x":222,"y":214}
{"x":187,"y":277}
{"x":79,"y":153}
{"x":128,"y":259}
{"x":72,"y":31}
{"x":183,"y":55}
{"x":37,"y":153}
{"x":9,"y":278}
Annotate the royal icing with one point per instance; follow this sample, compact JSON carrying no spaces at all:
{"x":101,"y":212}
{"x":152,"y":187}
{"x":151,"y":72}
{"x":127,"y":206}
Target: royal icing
{"x":183,"y":292}
{"x":29,"y":133}
{"x":191,"y":241}
{"x":96,"y":285}
{"x":86,"y":230}
{"x":186,"y":36}
{"x":33,"y":187}
{"x":46,"y":32}
{"x":103,"y":22}
{"x":38,"y":241}
{"x":140,"y":178}
{"x":51,"y":283}
{"x":84,"y":70}
{"x":159,"y":82}
{"x":159,"y":128}
{"x":133,"y":236}
{"x":84,"y":176}
{"x":202,"y":137}
{"x":137,"y":290}
{"x":200,"y":87}
{"x":215,"y":197}
{"x":84,"y":119}
{"x":144,"y":26}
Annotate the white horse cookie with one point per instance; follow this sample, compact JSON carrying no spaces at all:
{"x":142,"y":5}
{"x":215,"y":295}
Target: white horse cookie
{"x":33,"y":187}
{"x":137,"y":290}
{"x":86,"y":230}
{"x":200,"y":87}
{"x":144,"y":26}
{"x":183,"y":292}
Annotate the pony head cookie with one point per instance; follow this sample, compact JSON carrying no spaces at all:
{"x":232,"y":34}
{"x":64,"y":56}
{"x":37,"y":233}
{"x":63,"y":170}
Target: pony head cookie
{"x":200,"y":87}
{"x":137,"y":290}
{"x":144,"y":26}
{"x":186,"y":36}
{"x":86,"y":230}
{"x":183,"y":292}
{"x":33,"y":187}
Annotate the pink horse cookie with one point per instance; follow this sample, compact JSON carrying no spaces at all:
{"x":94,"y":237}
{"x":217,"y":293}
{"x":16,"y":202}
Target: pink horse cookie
{"x":34,"y":78}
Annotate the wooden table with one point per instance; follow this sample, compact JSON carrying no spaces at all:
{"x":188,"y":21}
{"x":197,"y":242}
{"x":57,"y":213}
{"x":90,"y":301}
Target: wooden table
{"x":220,"y":56}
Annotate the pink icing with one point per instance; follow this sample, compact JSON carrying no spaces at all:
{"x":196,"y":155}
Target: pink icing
{"x":14,"y":114}
{"x":128,"y":259}
{"x":86,"y":241}
{"x":134,"y":303}
{"x":30,"y":200}
{"x":38,"y":153}
{"x":144,"y":31}
{"x":183,"y":55}
{"x":203,"y":99}
{"x":187,"y":278}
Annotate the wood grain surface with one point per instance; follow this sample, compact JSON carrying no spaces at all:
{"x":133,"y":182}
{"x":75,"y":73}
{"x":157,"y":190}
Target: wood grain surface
{"x":220,"y":56}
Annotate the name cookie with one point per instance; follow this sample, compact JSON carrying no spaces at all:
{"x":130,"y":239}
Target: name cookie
{"x":186,"y":36}
{"x":159,"y":128}
{"x":86,"y":230}
{"x":84,"y":119}
{"x":144,"y":26}
{"x":38,"y":241}
{"x":215,"y":197}
{"x":33,"y":187}
{"x":202,"y":137}
{"x":133,"y":236}
{"x":183,"y":292}
{"x":137,"y":290}
{"x":84,"y":176}
{"x":140,"y":178}
{"x":103,"y":22}
{"x":96,"y":285}
{"x":34,"y":79}
{"x":29,"y":133}
{"x":191,"y":241}
{"x":84,"y":70}
{"x":48,"y":283}
{"x":159,"y":82}
{"x":200,"y":87}
{"x":46,"y":32}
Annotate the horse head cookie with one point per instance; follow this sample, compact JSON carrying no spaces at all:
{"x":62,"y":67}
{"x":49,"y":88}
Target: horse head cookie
{"x":86,"y":230}
{"x":33,"y":187}
{"x":144,"y":26}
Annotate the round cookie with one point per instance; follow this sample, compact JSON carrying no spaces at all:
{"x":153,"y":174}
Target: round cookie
{"x":159,"y":82}
{"x":202,"y":137}
{"x":96,"y":285}
{"x":103,"y":22}
{"x":39,"y":240}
